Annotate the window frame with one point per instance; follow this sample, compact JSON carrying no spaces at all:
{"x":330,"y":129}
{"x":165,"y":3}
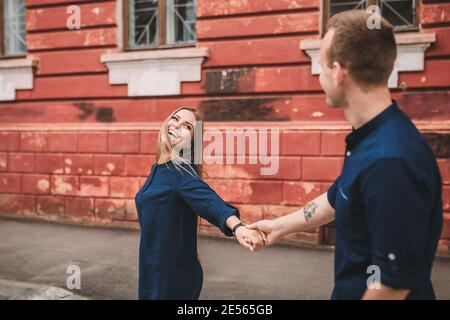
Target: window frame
{"x":416,"y":27}
{"x":2,"y":26}
{"x":162,"y":19}
{"x":2,"y":46}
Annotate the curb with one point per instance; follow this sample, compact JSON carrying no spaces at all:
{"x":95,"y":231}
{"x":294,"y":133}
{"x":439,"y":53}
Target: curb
{"x":16,"y":290}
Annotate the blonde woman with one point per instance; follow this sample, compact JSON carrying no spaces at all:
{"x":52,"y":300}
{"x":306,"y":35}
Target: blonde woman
{"x":168,"y":205}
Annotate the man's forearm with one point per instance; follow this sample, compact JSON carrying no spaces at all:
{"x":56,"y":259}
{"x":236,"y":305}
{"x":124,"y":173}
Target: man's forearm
{"x":314,"y":214}
{"x":384,"y":292}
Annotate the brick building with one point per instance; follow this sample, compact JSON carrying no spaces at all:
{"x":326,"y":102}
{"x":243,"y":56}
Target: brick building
{"x":84,"y":86}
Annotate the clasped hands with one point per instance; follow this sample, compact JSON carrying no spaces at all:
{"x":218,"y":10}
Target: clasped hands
{"x":257,"y":235}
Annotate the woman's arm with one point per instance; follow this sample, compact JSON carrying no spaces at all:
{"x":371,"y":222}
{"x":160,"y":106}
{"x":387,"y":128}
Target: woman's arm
{"x":210,"y":206}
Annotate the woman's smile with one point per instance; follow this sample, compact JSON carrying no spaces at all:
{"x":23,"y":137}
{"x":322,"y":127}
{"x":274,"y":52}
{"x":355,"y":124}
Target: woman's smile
{"x":180,"y":128}
{"x":173,"y":134}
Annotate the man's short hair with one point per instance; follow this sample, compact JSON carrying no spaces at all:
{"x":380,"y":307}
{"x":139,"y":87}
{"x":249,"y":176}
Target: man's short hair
{"x":368,"y":54}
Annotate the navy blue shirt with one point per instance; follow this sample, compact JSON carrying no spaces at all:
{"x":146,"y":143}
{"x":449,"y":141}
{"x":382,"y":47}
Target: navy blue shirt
{"x":388,"y":208}
{"x":168,"y":206}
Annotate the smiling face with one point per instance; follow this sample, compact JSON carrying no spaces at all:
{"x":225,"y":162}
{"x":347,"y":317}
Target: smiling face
{"x":180,"y":138}
{"x":180,"y":128}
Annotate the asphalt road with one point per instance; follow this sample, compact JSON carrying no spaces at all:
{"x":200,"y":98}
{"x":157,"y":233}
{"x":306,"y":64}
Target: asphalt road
{"x":41,"y":252}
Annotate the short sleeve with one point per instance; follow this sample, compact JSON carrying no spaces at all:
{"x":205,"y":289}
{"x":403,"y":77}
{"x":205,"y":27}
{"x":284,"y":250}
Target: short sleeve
{"x":331,"y":193}
{"x":398,"y":210}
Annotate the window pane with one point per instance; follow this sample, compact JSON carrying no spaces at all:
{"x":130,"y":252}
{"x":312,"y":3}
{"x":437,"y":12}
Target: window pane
{"x":337,"y":6}
{"x":180,"y":21}
{"x":401,"y":13}
{"x":14,"y":27}
{"x":143,"y":23}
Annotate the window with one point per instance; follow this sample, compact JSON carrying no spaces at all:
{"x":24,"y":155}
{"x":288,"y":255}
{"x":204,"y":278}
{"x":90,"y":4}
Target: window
{"x":13,"y":28}
{"x":400,"y":13}
{"x":159,"y":23}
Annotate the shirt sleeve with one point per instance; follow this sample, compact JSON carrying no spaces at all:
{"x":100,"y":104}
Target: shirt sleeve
{"x":206,"y":202}
{"x":397,"y":212}
{"x":331,"y":193}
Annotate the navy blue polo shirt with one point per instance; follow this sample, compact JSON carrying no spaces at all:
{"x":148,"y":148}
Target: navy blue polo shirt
{"x":388,"y":208}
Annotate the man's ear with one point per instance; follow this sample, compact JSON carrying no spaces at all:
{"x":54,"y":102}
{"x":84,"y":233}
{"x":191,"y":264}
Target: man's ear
{"x":339,"y":74}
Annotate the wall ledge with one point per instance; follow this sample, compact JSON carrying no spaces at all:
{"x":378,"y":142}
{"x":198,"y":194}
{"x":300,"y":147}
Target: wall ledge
{"x":155,"y":72}
{"x":434,"y":125}
{"x":411,"y":49}
{"x":15,"y":74}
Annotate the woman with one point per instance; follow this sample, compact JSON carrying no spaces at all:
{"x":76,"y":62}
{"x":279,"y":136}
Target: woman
{"x":168,"y":206}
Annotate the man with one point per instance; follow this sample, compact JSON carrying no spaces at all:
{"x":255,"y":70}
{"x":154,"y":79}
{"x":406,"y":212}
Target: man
{"x":387,"y":202}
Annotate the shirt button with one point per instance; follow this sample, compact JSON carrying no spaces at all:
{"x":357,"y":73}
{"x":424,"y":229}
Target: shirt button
{"x":391,"y":256}
{"x":348,"y":153}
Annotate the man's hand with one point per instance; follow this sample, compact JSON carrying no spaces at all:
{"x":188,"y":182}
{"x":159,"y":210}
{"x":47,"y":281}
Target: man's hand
{"x":251,"y":239}
{"x":270,"y":228}
{"x":384,"y":292}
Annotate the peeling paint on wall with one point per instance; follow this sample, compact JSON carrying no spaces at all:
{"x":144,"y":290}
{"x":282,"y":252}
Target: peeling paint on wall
{"x":230,"y":80}
{"x":240,"y":110}
{"x":439,"y":143}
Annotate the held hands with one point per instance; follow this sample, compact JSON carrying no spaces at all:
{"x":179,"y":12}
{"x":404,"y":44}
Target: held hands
{"x":270,"y":228}
{"x":259,"y":234}
{"x":251,"y":239}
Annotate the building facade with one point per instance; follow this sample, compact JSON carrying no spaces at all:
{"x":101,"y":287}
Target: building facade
{"x":85,"y":86}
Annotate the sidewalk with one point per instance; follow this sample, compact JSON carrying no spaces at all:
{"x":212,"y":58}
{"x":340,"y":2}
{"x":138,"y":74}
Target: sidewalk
{"x":34,"y":257}
{"x":16,"y":290}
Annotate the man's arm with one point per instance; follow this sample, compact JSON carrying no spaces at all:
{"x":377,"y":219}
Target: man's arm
{"x":314,"y":214}
{"x":384,"y":292}
{"x":398,"y":214}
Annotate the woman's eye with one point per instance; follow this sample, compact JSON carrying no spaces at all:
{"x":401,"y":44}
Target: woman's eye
{"x":188,"y":127}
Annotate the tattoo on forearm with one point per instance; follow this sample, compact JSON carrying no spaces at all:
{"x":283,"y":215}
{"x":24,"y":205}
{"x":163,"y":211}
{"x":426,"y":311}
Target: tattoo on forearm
{"x":309,"y":210}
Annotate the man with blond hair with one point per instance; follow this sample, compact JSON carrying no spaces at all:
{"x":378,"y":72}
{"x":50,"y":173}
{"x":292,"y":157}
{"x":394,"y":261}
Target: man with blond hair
{"x":386,"y":203}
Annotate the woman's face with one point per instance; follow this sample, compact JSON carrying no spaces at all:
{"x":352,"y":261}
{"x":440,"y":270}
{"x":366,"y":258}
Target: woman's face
{"x":181,"y":128}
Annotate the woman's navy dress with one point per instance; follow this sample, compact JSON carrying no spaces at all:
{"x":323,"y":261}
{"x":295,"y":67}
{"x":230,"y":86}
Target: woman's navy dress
{"x":168,"y":206}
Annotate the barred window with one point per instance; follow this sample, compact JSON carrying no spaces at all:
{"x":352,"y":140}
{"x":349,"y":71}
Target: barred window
{"x":400,"y":13}
{"x":13,"y":30}
{"x":156,"y":23}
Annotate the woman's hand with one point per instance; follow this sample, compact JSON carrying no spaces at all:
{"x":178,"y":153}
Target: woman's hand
{"x":251,"y":239}
{"x":269,"y":228}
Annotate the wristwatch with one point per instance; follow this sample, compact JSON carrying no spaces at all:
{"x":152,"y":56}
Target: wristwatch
{"x":240,"y":224}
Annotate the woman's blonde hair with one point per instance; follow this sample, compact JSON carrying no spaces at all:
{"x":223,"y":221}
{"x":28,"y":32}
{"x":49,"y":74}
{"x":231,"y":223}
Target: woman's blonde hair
{"x":191,"y":155}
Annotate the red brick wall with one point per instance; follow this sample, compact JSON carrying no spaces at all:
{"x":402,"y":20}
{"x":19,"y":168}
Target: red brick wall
{"x":77,"y":149}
